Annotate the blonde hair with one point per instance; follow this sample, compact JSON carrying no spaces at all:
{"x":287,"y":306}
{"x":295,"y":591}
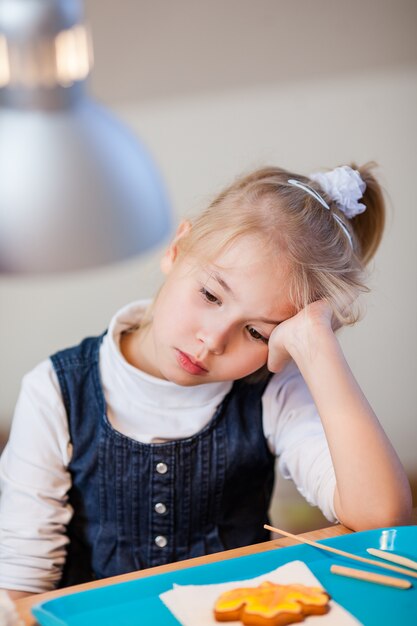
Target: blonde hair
{"x":323,"y":263}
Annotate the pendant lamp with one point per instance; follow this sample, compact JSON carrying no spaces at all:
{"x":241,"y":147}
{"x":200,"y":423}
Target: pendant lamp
{"x":77,"y":188}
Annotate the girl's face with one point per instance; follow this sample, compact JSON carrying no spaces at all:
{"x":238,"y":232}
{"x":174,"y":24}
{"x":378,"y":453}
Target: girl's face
{"x":211,"y":321}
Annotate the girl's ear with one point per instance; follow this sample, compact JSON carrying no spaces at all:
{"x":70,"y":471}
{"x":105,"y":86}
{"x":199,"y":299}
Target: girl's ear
{"x":171,"y":253}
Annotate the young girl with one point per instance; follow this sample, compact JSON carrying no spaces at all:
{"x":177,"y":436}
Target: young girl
{"x":157,"y":441}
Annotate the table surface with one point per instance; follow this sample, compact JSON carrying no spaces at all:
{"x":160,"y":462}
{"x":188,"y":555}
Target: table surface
{"x":25,"y":604}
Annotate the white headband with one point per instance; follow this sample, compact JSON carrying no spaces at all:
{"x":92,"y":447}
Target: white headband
{"x":344,"y":186}
{"x":312,"y":192}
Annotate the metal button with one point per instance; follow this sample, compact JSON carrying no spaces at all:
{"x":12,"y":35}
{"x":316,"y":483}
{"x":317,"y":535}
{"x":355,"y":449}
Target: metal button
{"x":161,"y":468}
{"x":161,"y":541}
{"x":160,"y":508}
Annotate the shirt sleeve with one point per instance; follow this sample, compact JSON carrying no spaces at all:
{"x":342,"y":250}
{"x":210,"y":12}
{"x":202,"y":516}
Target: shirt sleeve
{"x":34,"y":483}
{"x":295,"y":434}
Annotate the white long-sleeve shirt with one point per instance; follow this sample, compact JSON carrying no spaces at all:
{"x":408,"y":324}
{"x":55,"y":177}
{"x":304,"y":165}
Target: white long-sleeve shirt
{"x":34,"y":476}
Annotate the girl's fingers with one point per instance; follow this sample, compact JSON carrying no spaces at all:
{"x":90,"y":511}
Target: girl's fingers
{"x":277,"y":362}
{"x":278,"y":355}
{"x":297,"y":332}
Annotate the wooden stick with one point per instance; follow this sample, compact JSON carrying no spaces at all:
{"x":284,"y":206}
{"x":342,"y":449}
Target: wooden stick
{"x":315,"y":544}
{"x":370,"y":577}
{"x":391,"y":556}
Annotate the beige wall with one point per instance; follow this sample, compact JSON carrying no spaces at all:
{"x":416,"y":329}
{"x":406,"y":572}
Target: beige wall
{"x":203,"y":139}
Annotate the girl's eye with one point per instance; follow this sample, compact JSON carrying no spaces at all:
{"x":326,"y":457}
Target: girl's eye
{"x":256,"y":335}
{"x":209,"y":296}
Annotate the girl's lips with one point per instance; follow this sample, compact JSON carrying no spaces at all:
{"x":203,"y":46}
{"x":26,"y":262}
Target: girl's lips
{"x":190,"y":365}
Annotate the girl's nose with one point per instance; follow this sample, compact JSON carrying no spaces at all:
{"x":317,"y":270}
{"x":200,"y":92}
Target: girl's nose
{"x":213,"y":342}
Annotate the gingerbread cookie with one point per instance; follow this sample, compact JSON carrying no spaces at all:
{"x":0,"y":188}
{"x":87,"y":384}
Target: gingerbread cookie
{"x":270,"y":604}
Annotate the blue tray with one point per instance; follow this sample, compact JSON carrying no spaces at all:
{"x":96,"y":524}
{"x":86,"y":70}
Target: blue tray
{"x":136,"y":603}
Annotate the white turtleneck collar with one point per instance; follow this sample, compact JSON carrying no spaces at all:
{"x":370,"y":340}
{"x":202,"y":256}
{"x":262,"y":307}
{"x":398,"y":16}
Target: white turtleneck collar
{"x":144,"y":407}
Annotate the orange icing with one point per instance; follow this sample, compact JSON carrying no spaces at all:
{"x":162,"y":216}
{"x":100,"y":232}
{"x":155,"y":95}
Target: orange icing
{"x":269,"y":600}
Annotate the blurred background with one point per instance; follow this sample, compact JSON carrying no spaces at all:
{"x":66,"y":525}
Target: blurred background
{"x":214,"y":89}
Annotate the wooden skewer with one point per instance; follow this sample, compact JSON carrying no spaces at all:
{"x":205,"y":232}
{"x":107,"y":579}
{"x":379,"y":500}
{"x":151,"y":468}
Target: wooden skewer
{"x":315,"y":544}
{"x":371,"y":577}
{"x":395,"y":558}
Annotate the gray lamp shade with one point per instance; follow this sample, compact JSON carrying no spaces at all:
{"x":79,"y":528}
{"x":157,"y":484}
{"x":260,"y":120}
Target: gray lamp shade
{"x":77,"y":188}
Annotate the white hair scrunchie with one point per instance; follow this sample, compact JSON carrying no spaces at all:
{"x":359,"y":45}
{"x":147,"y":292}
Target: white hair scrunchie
{"x":345,"y":187}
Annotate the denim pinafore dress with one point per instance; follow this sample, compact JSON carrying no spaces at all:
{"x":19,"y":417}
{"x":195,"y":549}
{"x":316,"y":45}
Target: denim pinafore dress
{"x":139,"y":505}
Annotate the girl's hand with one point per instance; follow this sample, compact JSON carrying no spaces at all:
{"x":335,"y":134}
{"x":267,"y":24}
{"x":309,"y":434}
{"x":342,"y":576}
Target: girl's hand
{"x":299,"y":335}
